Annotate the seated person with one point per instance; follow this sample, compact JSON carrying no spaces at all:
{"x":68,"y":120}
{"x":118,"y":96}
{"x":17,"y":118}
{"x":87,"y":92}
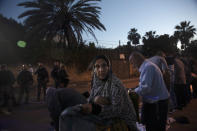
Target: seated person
{"x":108,"y":101}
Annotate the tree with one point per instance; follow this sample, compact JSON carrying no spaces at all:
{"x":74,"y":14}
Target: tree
{"x":192,"y":48}
{"x":150,"y":35}
{"x":92,"y":45}
{"x":184,"y":32}
{"x":133,"y":37}
{"x":149,"y":40}
{"x":154,"y":43}
{"x":65,"y":19}
{"x":10,"y":33}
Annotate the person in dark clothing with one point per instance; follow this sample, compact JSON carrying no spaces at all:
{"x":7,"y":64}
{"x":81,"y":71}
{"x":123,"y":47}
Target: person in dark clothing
{"x":172,"y":100}
{"x":194,"y":77}
{"x":180,"y":83}
{"x":7,"y":79}
{"x":61,"y":98}
{"x":55,"y":73}
{"x":25,"y":81}
{"x":63,"y":76}
{"x":42,"y":79}
{"x":187,"y":67}
{"x":194,"y":86}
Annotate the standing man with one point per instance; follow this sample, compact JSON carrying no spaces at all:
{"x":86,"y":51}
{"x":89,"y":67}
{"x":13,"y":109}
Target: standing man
{"x":153,"y":91}
{"x":55,"y":73}
{"x":180,"y":83}
{"x":159,"y":60}
{"x":31,"y":69}
{"x":63,"y":76}
{"x":188,"y":69}
{"x":172,"y":100}
{"x":7,"y":79}
{"x":25,"y":80}
{"x":42,"y":79}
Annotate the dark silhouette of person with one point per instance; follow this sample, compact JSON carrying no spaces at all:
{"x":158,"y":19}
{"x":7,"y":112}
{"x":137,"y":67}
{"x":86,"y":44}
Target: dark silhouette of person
{"x":7,"y":79}
{"x":25,"y":81}
{"x":60,"y":98}
{"x":55,"y":73}
{"x":63,"y":76}
{"x":42,"y":79}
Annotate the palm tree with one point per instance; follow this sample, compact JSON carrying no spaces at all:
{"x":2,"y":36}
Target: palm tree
{"x":149,"y":42}
{"x":133,"y":36}
{"x":65,"y":19}
{"x":150,"y":35}
{"x":184,"y":32}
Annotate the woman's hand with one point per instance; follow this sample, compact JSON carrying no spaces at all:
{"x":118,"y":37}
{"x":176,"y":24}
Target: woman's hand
{"x":101,"y":100}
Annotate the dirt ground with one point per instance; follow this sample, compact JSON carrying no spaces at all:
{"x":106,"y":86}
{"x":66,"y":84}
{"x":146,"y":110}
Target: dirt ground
{"x":191,"y":113}
{"x":35,"y":116}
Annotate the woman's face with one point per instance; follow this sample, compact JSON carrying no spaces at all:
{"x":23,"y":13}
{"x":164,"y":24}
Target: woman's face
{"x":101,"y":68}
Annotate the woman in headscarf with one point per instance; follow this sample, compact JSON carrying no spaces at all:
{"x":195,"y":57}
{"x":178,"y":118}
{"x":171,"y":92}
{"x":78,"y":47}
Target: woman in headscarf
{"x":109,"y":100}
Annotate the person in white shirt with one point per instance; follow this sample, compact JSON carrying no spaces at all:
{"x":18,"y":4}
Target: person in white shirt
{"x":160,"y":61}
{"x":153,"y":91}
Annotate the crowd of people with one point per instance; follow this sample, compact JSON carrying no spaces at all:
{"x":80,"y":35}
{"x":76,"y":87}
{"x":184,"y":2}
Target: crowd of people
{"x":164,"y":86}
{"x":24,"y":81}
{"x":109,"y":105}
